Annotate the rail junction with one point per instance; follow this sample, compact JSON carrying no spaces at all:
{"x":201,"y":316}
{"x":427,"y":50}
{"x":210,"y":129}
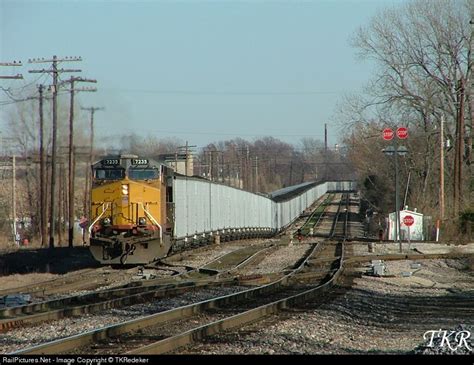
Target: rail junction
{"x":226,"y":291}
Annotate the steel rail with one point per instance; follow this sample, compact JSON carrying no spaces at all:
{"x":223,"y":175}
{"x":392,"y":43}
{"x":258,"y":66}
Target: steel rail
{"x":73,"y":342}
{"x":324,"y":204}
{"x":332,"y":232}
{"x":249,"y":260}
{"x":238,"y":320}
{"x":323,"y":213}
{"x":213,"y":267}
{"x":111,"y":298}
{"x":150,"y":294}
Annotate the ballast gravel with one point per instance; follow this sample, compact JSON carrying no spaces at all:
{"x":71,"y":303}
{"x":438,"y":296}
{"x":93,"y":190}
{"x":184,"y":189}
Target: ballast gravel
{"x":20,"y":338}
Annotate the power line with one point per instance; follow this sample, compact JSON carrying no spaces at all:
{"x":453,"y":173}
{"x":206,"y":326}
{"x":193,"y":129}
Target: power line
{"x":230,"y":134}
{"x":221,"y":92}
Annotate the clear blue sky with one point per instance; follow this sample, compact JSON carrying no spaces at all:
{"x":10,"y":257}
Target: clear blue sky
{"x":199,"y":70}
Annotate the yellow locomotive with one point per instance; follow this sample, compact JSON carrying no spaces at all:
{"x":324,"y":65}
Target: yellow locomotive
{"x":130,"y":220}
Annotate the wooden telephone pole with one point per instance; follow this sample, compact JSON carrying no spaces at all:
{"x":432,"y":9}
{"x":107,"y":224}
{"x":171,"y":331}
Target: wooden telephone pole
{"x":459,"y":151}
{"x":15,"y":77}
{"x":441,"y":168}
{"x":55,"y":72}
{"x":71,"y":172}
{"x":91,"y":151}
{"x":43,"y":200}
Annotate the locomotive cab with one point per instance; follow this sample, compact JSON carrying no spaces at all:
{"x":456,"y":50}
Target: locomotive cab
{"x":129,"y":223}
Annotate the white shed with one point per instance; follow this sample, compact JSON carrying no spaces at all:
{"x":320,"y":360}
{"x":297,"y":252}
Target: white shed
{"x":416,"y":230}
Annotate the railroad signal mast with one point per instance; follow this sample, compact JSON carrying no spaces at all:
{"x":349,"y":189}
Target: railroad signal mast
{"x":395,"y":150}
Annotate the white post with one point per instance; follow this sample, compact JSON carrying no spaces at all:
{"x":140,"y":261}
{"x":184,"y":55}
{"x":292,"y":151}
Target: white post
{"x":437,"y":230}
{"x":409,"y":243}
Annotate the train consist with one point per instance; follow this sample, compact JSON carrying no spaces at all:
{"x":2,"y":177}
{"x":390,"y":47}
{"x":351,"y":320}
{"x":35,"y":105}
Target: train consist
{"x":141,"y":210}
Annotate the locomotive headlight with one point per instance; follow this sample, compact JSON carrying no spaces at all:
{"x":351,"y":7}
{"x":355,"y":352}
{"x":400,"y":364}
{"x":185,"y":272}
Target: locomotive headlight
{"x":141,"y":221}
{"x":125,"y":189}
{"x":106,"y":221}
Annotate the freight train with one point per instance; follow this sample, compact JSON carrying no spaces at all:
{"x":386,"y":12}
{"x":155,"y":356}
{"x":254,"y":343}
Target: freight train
{"x":141,"y":210}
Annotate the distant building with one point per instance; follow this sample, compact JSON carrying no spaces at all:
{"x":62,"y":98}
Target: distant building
{"x":177,"y":161}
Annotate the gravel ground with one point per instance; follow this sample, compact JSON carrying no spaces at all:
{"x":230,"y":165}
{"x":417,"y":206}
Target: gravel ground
{"x":105,"y":278}
{"x":199,"y":259}
{"x":19,"y":280}
{"x":426,"y":248}
{"x":19,"y":338}
{"x":364,"y":319}
{"x":279,"y":260}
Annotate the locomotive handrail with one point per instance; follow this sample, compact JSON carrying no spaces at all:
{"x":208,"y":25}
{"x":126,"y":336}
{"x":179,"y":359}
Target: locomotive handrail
{"x":98,"y":217}
{"x":153,"y":220}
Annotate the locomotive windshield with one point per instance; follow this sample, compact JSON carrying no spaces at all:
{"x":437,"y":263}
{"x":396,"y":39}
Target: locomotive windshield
{"x":143,"y":174}
{"x":109,"y":174}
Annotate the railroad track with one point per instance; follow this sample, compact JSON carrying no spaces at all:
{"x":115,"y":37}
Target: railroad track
{"x":324,"y":225}
{"x":280,"y":291}
{"x":68,"y":345}
{"x":314,"y":218}
{"x":166,"y":331}
{"x":306,"y":220}
{"x":206,"y":276}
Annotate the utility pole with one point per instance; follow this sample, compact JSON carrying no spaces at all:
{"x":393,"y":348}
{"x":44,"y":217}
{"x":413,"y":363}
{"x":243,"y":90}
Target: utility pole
{"x":71,"y":172}
{"x":14,"y":193}
{"x":325,"y":151}
{"x":209,"y":175}
{"x":61,"y":201}
{"x":470,"y":84}
{"x":88,"y":172}
{"x":54,"y":71}
{"x":441,"y":168}
{"x":176,"y":160}
{"x":459,"y":150}
{"x":43,"y":201}
{"x":186,"y":161}
{"x":256,"y":173}
{"x":248,"y":172}
{"x":15,"y":77}
{"x":325,"y":137}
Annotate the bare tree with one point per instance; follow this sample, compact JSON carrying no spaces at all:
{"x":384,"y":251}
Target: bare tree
{"x":421,"y":52}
